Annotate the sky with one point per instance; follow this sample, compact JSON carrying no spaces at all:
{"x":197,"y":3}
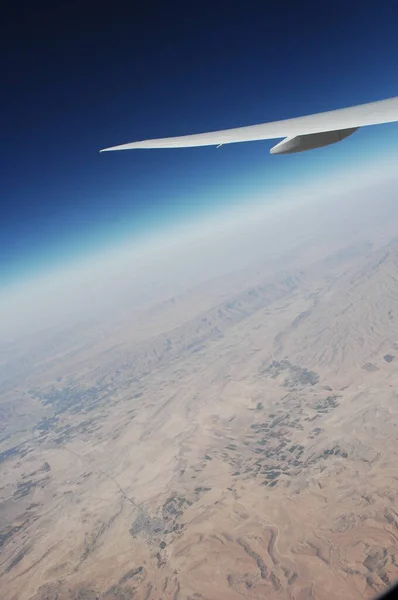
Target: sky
{"x":81,"y":76}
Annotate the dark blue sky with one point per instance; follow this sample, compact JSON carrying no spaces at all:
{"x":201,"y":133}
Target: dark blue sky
{"x":78,"y":76}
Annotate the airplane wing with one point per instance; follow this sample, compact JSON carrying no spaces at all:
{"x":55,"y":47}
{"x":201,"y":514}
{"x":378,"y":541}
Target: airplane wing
{"x":301,"y":133}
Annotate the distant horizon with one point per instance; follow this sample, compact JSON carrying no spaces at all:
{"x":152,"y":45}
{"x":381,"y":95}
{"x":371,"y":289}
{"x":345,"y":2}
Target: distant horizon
{"x":211,"y":207}
{"x":174,"y":257}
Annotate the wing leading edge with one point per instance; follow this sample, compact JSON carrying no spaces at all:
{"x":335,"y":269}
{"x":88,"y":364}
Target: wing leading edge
{"x":301,"y":133}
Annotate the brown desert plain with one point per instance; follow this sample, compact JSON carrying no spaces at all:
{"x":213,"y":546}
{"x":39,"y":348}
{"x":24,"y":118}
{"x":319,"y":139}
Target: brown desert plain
{"x":235,"y":439}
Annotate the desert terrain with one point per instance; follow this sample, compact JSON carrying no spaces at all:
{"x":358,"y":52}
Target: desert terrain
{"x":236,"y":440}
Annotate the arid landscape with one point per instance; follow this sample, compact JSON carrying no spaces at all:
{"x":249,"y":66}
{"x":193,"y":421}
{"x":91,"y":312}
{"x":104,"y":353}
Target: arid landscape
{"x":236,"y":440}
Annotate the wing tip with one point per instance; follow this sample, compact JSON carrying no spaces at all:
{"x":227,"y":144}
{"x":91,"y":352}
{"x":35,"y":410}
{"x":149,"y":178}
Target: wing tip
{"x":113,"y":148}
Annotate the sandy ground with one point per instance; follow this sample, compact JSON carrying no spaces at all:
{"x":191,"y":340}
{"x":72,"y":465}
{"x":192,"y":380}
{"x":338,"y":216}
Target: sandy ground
{"x":237,"y":441}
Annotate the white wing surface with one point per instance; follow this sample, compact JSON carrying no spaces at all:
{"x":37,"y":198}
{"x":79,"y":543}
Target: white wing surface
{"x":301,"y":133}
